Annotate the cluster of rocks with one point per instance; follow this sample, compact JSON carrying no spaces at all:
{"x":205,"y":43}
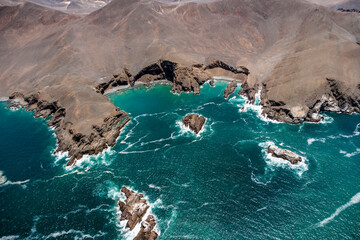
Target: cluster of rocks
{"x":184,"y":78}
{"x":194,"y":122}
{"x":133,"y":211}
{"x":336,"y":100}
{"x":69,"y":140}
{"x":285,"y":154}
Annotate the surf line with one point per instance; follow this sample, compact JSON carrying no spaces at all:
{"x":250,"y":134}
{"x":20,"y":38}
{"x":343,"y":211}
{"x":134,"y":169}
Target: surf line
{"x":354,"y":200}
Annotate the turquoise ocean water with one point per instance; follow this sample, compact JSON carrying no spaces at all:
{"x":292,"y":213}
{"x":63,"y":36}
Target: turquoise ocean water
{"x":217,"y":185}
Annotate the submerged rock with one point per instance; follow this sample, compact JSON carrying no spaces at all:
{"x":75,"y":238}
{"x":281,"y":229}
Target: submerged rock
{"x":194,"y":121}
{"x":285,"y":154}
{"x":133,"y":210}
{"x":230,"y":89}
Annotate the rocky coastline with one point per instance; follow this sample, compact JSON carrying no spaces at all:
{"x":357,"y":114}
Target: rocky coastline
{"x":69,"y":139}
{"x":284,"y":154}
{"x":133,"y":210}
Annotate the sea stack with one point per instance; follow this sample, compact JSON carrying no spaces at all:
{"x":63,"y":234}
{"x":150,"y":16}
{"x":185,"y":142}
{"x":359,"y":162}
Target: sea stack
{"x":194,"y":121}
{"x":133,"y":210}
{"x":230,"y":89}
{"x":285,"y":154}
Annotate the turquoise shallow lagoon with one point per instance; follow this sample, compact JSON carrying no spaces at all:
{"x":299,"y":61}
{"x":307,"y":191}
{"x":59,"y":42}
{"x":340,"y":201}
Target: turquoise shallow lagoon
{"x":219,"y":184}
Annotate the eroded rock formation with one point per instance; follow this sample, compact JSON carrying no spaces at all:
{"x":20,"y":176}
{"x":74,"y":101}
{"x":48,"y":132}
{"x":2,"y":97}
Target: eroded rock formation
{"x":133,"y":210}
{"x":285,"y":154}
{"x":194,"y":121}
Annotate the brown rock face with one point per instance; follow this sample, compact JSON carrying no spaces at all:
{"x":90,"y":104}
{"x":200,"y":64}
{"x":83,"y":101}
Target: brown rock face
{"x":285,"y":154}
{"x":146,"y":232}
{"x":133,"y":210}
{"x":230,"y":88}
{"x":194,"y":121}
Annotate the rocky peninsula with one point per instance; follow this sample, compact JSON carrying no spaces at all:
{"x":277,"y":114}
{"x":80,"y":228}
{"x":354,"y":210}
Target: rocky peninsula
{"x":133,"y":211}
{"x":194,"y":122}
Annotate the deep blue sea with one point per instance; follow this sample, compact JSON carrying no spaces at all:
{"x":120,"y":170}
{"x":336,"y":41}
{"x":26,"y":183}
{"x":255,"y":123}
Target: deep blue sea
{"x":219,"y":184}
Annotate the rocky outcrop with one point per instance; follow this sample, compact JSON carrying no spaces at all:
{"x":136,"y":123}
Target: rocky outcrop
{"x":123,"y":78}
{"x":194,"y":121}
{"x":230,"y":88}
{"x":133,"y":210}
{"x":184,"y":78}
{"x":69,"y":140}
{"x":212,"y":83}
{"x":146,"y":232}
{"x":285,"y":154}
{"x":335,"y":100}
{"x":349,"y":10}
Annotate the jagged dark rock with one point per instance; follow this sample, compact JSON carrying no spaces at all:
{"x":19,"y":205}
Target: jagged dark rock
{"x":194,"y":121}
{"x":212,"y":83}
{"x":133,"y":210}
{"x":230,"y":88}
{"x":285,"y":154}
{"x":348,"y":10}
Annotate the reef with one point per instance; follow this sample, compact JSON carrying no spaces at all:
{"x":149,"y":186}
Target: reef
{"x":284,"y":154}
{"x":194,"y":121}
{"x":133,"y":211}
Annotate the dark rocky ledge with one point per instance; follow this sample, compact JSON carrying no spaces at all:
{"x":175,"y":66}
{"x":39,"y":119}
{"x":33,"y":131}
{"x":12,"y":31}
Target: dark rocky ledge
{"x":75,"y":143}
{"x":285,"y":154}
{"x":349,"y":10}
{"x":133,"y":211}
{"x":194,"y":121}
{"x":183,"y":78}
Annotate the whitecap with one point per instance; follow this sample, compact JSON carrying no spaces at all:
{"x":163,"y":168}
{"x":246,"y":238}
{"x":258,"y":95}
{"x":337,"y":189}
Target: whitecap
{"x":312,"y":140}
{"x":154,"y":186}
{"x":349,"y":155}
{"x":354,"y":200}
{"x":10,"y":237}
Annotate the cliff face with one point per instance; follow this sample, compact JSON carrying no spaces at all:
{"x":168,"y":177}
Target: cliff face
{"x":304,"y":57}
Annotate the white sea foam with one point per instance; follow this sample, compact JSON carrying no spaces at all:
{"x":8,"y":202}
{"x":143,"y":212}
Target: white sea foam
{"x":88,"y":161}
{"x":349,"y":155}
{"x":5,"y":182}
{"x":311,"y":140}
{"x":10,"y":237}
{"x":154,"y":186}
{"x":274,"y":162}
{"x":354,"y":200}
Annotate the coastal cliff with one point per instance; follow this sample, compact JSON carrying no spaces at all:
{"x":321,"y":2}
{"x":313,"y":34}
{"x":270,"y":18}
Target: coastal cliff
{"x":303,"y":58}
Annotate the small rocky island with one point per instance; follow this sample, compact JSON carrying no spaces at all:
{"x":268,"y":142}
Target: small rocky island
{"x":194,"y":121}
{"x":285,"y":154}
{"x":133,"y":211}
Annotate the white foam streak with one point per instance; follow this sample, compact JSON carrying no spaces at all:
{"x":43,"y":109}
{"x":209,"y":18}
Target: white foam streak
{"x":5,"y":182}
{"x":354,"y":200}
{"x":312,"y":140}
